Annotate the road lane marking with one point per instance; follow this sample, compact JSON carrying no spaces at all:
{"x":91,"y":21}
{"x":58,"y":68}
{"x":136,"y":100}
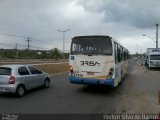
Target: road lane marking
{"x":50,"y":63}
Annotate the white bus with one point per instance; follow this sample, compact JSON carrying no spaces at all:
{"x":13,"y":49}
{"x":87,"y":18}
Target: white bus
{"x":153,"y":57}
{"x":97,"y":59}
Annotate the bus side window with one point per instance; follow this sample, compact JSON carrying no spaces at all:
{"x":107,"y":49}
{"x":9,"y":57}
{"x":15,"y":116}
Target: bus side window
{"x":128,"y":55}
{"x":119,"y":55}
{"x":125,"y":55}
{"x":115,"y":52}
{"x":122,"y":54}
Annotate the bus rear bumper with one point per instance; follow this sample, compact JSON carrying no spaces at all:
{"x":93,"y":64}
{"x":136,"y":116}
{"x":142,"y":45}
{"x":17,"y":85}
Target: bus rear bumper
{"x":91,"y":81}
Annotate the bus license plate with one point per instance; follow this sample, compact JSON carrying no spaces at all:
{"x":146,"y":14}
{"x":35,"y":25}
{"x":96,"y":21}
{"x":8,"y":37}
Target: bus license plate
{"x":90,"y":73}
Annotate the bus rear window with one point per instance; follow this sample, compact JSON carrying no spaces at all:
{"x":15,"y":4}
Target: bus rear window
{"x":155,"y":57}
{"x":5,"y":71}
{"x":92,"y":45}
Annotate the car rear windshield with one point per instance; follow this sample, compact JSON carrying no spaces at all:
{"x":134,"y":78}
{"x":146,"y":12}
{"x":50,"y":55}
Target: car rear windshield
{"x":5,"y":71}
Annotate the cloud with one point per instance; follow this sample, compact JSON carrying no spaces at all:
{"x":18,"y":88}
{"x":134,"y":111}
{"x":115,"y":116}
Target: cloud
{"x":141,"y":14}
{"x":37,"y":19}
{"x":40,"y":19}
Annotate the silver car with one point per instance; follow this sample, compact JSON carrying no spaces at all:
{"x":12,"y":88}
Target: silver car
{"x":19,"y":78}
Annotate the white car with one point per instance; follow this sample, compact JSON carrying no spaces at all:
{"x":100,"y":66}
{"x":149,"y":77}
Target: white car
{"x":19,"y":78}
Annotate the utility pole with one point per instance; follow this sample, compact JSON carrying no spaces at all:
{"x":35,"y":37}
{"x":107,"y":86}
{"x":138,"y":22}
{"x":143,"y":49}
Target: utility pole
{"x":156,"y":35}
{"x":17,"y":51}
{"x":28,"y":40}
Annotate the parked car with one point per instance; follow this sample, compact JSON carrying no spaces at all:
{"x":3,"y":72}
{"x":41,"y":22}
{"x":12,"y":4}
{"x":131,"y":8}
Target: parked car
{"x":20,"y":78}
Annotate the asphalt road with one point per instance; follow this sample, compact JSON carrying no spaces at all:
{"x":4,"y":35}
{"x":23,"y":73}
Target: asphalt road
{"x":137,"y":94}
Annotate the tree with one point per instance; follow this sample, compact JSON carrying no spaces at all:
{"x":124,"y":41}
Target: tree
{"x":56,"y":53}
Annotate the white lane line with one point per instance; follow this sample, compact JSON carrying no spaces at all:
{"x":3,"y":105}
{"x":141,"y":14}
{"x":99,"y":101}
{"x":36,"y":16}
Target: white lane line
{"x":58,"y":73}
{"x":49,"y":63}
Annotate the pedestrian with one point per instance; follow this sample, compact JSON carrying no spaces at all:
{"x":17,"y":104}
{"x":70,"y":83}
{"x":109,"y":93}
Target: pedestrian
{"x":146,"y":65}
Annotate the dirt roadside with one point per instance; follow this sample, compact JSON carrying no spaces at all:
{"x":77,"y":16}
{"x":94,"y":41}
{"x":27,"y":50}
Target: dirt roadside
{"x":141,"y":91}
{"x":53,"y":68}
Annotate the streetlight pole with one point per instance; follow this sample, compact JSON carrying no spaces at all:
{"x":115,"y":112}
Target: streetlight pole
{"x":156,"y":35}
{"x":63,"y":31}
{"x":156,"y":41}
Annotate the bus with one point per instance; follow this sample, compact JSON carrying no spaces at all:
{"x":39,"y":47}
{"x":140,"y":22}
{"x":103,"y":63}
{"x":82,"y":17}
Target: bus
{"x":97,"y":60}
{"x":153,"y":57}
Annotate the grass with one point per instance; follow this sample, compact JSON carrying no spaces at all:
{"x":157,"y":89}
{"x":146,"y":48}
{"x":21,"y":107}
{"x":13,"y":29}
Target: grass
{"x":53,"y":68}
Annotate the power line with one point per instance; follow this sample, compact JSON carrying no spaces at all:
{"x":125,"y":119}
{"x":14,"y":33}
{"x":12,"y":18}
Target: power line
{"x":7,"y":44}
{"x":41,"y":41}
{"x":13,"y":35}
{"x":20,"y":36}
{"x":19,"y":45}
{"x":28,"y":39}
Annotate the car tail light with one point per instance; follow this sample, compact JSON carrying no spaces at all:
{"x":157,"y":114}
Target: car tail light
{"x":11,"y":80}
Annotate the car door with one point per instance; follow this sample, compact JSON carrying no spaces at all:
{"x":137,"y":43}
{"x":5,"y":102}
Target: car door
{"x":37,"y":75}
{"x":26,"y":78}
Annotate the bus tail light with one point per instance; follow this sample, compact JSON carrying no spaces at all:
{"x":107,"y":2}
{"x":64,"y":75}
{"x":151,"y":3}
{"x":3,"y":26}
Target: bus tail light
{"x":110,"y":74}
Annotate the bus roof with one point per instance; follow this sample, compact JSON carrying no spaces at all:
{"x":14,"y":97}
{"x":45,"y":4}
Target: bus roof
{"x":90,"y":36}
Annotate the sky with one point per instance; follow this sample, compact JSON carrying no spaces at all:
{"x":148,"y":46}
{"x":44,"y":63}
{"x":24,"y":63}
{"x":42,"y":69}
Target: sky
{"x":40,"y":20}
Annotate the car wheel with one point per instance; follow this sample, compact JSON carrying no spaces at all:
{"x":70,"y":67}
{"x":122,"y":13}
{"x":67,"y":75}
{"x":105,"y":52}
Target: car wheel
{"x":46,"y":83}
{"x":20,"y":91}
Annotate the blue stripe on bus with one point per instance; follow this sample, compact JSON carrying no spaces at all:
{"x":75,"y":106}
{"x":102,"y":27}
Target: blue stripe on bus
{"x":90,"y":81}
